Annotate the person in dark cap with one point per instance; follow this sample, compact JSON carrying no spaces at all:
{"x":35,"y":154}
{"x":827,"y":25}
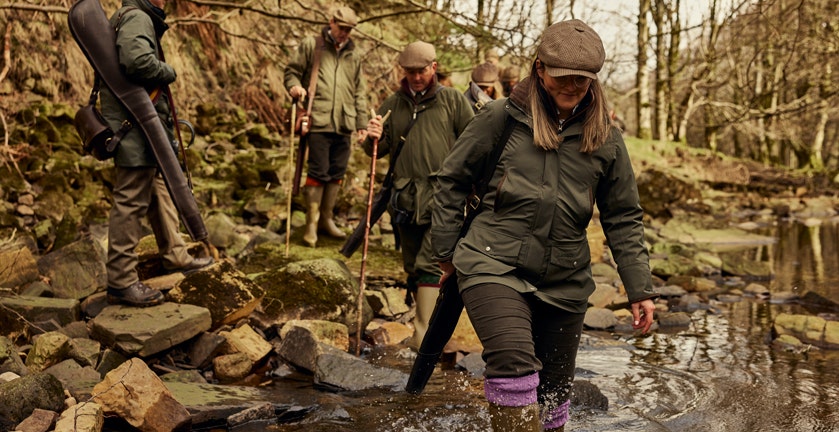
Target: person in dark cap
{"x":509,"y":78}
{"x":139,"y":190}
{"x":339,"y":109}
{"x":482,"y":87}
{"x":524,"y":266}
{"x":426,"y":118}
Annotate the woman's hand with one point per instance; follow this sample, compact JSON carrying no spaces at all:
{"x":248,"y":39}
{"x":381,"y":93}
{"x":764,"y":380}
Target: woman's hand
{"x":642,"y":315}
{"x":448,"y":269}
{"x":374,"y":127}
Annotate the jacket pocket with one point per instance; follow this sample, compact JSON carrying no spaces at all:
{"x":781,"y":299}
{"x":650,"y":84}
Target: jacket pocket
{"x":568,"y":258}
{"x":348,"y":118}
{"x":479,"y":244}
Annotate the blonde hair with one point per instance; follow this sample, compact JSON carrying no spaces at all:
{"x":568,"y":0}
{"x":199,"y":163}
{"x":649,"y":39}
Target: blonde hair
{"x":596,"y":122}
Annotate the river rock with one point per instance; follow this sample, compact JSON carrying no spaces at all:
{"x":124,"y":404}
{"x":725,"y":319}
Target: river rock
{"x":10,"y":360}
{"x":136,"y":394}
{"x":75,"y":378}
{"x":756,"y":290}
{"x":387,"y":302}
{"x":388,"y":333}
{"x":150,"y":330}
{"x":264,"y":411}
{"x":223,"y":234}
{"x":108,"y":361}
{"x":599,"y":318}
{"x":674,"y":319}
{"x":48,"y":349}
{"x":314,"y":289}
{"x":39,"y":421}
{"x":660,"y":192}
{"x":301,"y":348}
{"x":75,"y":271}
{"x":84,"y":417}
{"x":586,"y":395}
{"x":204,"y":347}
{"x":245,"y":340}
{"x":603,"y":295}
{"x":328,"y":332}
{"x":225,"y":291}
{"x":18,"y":266}
{"x":338,"y":369}
{"x":20,"y":397}
{"x":232,"y":367}
{"x":40,"y":309}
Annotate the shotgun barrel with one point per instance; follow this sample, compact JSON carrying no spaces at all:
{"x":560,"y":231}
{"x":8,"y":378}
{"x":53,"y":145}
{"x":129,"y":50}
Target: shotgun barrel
{"x":96,"y":37}
{"x":441,"y":326}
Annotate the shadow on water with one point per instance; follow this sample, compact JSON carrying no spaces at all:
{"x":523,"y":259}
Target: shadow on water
{"x":720,"y":374}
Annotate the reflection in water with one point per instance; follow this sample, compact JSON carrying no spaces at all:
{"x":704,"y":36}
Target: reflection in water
{"x":718,"y":375}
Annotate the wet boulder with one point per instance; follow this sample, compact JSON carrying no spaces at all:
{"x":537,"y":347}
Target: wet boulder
{"x":20,"y":397}
{"x":150,"y":330}
{"x":137,"y":395}
{"x":599,"y":318}
{"x":224,"y":291}
{"x":809,"y":329}
{"x":246,"y":341}
{"x":328,"y":332}
{"x":314,"y":289}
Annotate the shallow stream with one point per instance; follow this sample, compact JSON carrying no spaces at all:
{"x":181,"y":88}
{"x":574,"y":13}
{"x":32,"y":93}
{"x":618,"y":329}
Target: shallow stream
{"x":719,"y":374}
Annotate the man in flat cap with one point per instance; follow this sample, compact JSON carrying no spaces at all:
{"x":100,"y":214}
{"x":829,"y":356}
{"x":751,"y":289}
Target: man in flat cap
{"x":339,"y":108}
{"x":483,"y":87}
{"x":426,"y":118}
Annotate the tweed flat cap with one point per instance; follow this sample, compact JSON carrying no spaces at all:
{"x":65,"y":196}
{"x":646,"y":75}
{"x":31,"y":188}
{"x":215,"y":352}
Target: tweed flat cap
{"x":345,"y":16}
{"x":485,"y":74}
{"x":571,"y":48}
{"x":510,"y":73}
{"x":417,"y":55}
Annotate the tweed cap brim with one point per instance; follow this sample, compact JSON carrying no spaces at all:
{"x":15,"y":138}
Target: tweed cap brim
{"x":571,"y":48}
{"x":417,"y":55}
{"x":345,"y":16}
{"x":485,"y":74}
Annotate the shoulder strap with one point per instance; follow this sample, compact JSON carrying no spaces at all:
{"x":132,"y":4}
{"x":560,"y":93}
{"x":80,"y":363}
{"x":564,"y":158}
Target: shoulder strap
{"x":313,"y":77}
{"x":402,"y":138}
{"x":479,"y":189}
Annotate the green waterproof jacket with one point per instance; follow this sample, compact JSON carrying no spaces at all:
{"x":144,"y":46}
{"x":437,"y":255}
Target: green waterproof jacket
{"x":138,"y":31}
{"x":340,"y":104}
{"x":531,"y":232}
{"x":442,"y":114}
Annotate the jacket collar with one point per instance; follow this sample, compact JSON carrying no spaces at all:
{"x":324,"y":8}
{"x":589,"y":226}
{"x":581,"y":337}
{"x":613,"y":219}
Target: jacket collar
{"x":330,"y":41}
{"x":429,"y":94}
{"x":156,"y":14}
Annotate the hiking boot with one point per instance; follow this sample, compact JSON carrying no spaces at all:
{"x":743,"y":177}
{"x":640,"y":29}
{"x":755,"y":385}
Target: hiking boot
{"x":193,"y":266}
{"x":137,"y":294}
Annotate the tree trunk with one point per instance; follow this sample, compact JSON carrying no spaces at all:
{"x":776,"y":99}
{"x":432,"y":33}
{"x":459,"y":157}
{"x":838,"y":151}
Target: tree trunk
{"x":642,"y":80}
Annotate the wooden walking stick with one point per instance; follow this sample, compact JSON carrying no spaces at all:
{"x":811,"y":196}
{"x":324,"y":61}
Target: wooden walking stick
{"x":370,"y":194}
{"x":290,"y":176}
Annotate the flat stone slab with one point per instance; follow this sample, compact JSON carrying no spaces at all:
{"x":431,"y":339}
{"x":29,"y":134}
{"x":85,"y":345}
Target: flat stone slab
{"x":147,"y":331}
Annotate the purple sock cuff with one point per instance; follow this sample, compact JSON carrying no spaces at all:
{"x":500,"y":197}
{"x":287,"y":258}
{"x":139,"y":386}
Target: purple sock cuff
{"x":556,"y":417}
{"x":520,"y":391}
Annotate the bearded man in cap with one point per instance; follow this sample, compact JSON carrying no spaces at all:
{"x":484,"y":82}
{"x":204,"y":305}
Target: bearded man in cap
{"x":339,"y":108}
{"x":426,"y":119}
